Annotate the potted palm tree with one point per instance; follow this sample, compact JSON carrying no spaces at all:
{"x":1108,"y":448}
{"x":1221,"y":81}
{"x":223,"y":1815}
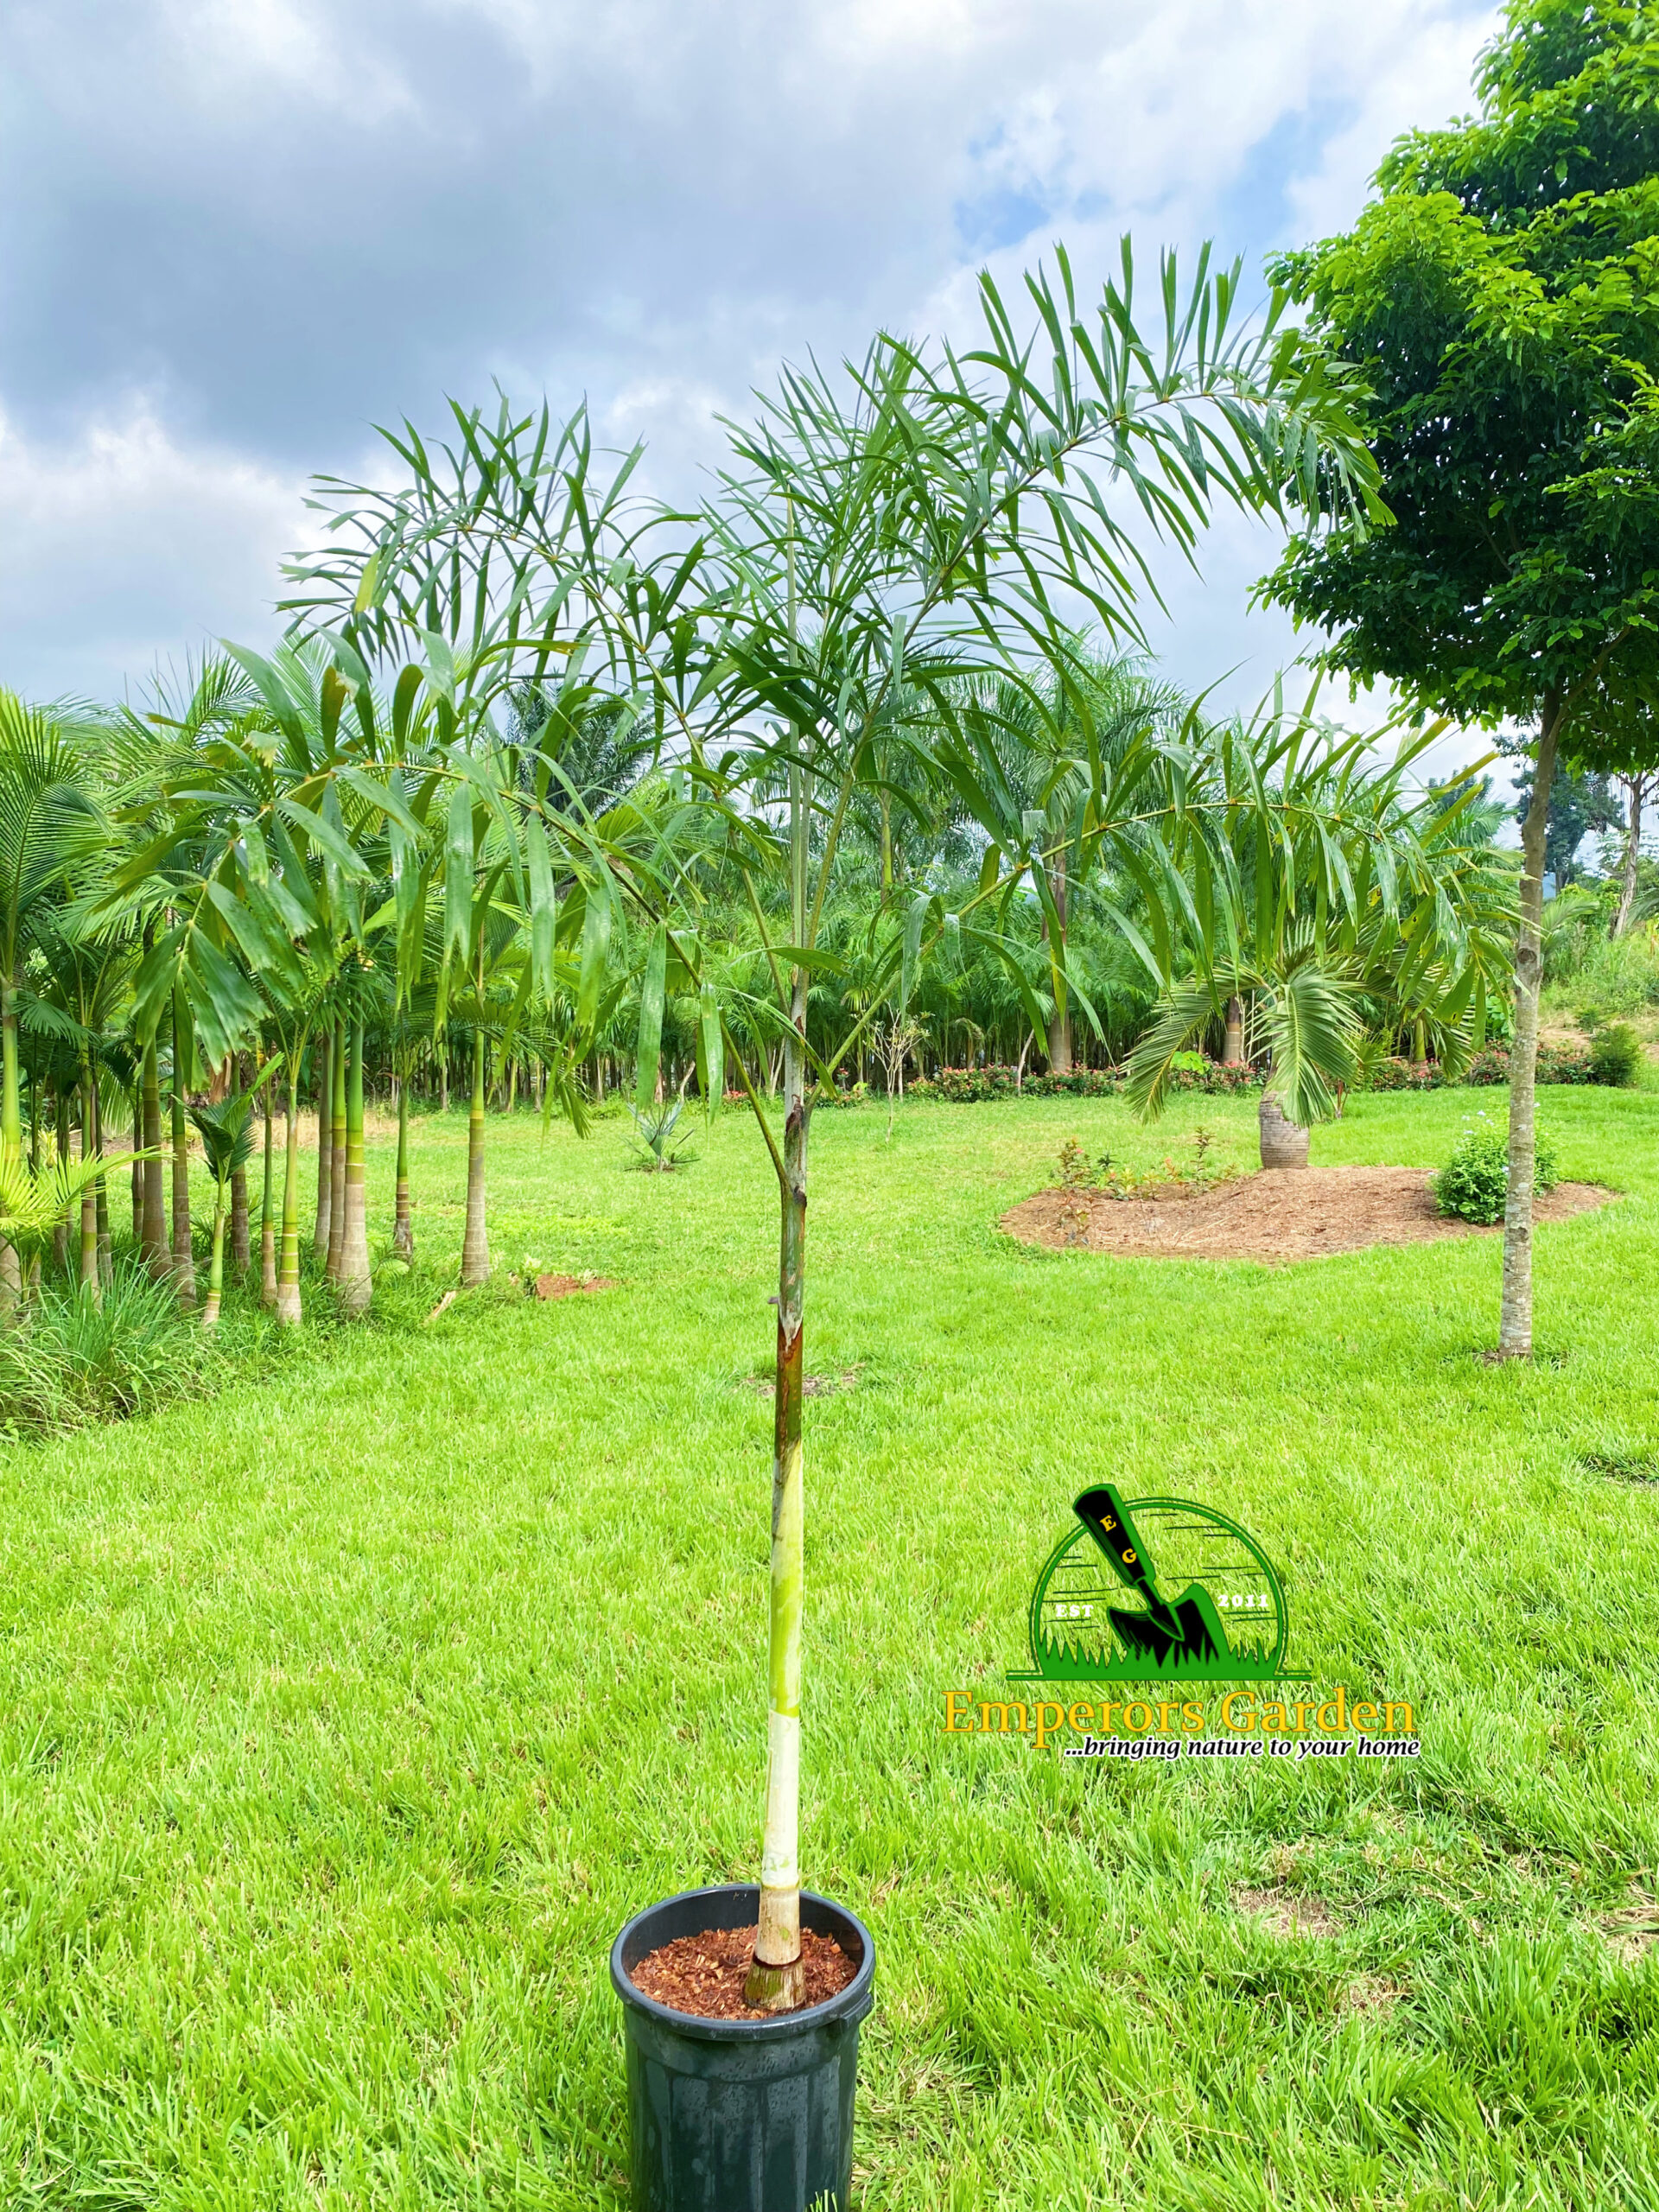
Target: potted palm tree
{"x":880,"y":570}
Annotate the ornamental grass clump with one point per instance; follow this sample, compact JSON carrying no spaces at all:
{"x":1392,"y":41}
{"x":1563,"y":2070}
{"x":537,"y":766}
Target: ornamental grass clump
{"x":1474,"y":1184}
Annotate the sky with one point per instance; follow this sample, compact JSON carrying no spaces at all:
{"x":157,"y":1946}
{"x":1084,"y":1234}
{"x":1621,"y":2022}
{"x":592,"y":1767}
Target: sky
{"x":236,"y":234}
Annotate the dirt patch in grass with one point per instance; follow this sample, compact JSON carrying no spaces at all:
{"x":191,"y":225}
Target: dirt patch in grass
{"x":812,"y":1386}
{"x":568,"y":1285}
{"x":1287,"y":1912}
{"x":1634,"y":1932}
{"x":1287,"y":1213}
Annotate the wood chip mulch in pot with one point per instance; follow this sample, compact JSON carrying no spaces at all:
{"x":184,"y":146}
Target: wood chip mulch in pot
{"x":704,"y":1974}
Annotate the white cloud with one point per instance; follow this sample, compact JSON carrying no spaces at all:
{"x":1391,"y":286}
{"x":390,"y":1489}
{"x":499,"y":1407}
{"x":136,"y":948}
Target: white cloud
{"x":120,"y":547}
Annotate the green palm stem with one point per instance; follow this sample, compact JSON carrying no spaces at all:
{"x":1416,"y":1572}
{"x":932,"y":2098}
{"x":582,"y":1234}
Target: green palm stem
{"x":402,"y":1235}
{"x":267,"y":1225}
{"x":240,"y":1254}
{"x":323,"y":1075}
{"x":475,"y":1245}
{"x":184,"y":1262}
{"x":289,"y":1310}
{"x":137,"y":1168}
{"x":101,"y":1198}
{"x":216,"y":1264}
{"x":11,"y":1133}
{"x":153,"y":1234}
{"x":89,"y":1281}
{"x":337,"y":1153}
{"x":1059,"y":1022}
{"x":775,"y":1979}
{"x":356,"y":1282}
{"x":60,"y":1228}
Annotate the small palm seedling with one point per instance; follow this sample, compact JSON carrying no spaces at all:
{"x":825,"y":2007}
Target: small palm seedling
{"x":664,"y":1151}
{"x":35,"y":1200}
{"x":227,"y":1133}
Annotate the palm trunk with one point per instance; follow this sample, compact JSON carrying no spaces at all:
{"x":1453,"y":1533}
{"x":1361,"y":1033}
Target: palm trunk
{"x":240,"y":1250}
{"x":1638,"y":787}
{"x":267,"y":1226}
{"x":216,"y":1265}
{"x":61,"y":1228}
{"x":153,"y":1234}
{"x":1232,"y":1049}
{"x":443,"y":1081}
{"x":289,"y":1310}
{"x":475,"y":1246}
{"x":1059,"y":1022}
{"x":89,"y":1281}
{"x":137,"y":1164}
{"x":325,"y":1089}
{"x":184,"y":1264}
{"x":402,"y":1235}
{"x":1514,"y":1326}
{"x":101,"y":1200}
{"x":775,"y":1980}
{"x":11,"y":1135}
{"x":356,"y":1283}
{"x":337,"y":1153}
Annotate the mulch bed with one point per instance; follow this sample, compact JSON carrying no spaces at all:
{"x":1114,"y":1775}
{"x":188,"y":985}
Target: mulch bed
{"x":1287,"y":1213}
{"x":704,"y":1974}
{"x":568,"y":1285}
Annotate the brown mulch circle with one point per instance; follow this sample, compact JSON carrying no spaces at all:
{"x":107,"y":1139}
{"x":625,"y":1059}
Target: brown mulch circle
{"x":568,"y":1285}
{"x":1284,"y":1213}
{"x":704,"y":1974}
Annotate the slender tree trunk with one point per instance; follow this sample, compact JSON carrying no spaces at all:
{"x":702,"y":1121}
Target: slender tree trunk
{"x":1232,"y":1049}
{"x":184,"y":1264}
{"x":356,"y":1282}
{"x":475,"y":1248}
{"x":1515,"y":1329}
{"x":89,"y":1281}
{"x":240,"y":1252}
{"x":443,"y":1081}
{"x":137,"y":1164}
{"x":1636,"y":786}
{"x":289,"y":1310}
{"x":216,"y":1265}
{"x":775,"y":1980}
{"x":101,"y":1200}
{"x":267,"y":1224}
{"x":11,"y":1135}
{"x":337,"y":1155}
{"x":153,"y":1240}
{"x":325,"y":1090}
{"x":402,"y":1235}
{"x":60,"y":1229}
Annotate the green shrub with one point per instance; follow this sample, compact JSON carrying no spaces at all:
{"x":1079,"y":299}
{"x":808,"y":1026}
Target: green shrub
{"x":1194,"y":1062}
{"x":1615,"y":1055}
{"x":1474,"y":1183}
{"x":72,"y":1361}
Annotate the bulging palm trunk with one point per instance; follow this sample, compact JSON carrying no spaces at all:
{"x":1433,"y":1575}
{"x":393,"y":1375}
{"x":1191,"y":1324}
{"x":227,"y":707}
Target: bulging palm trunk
{"x":325,"y":1087}
{"x":775,"y":1980}
{"x":356,"y":1282}
{"x":1284,"y":1142}
{"x":337,"y":1156}
{"x":1514,"y":1326}
{"x":475,"y":1246}
{"x":288,"y":1312}
{"x":402,"y":1235}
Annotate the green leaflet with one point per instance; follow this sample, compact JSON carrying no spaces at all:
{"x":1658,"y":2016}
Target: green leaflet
{"x":457,"y":872}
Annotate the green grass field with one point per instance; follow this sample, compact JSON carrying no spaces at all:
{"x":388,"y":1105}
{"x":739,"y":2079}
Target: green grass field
{"x":349,"y":1712}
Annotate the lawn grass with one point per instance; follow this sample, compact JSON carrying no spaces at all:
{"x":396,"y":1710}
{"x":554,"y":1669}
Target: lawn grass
{"x":346,"y":1715}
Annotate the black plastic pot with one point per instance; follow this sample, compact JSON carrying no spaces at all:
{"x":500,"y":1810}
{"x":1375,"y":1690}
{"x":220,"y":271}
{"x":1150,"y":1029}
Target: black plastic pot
{"x":741,"y":2115}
